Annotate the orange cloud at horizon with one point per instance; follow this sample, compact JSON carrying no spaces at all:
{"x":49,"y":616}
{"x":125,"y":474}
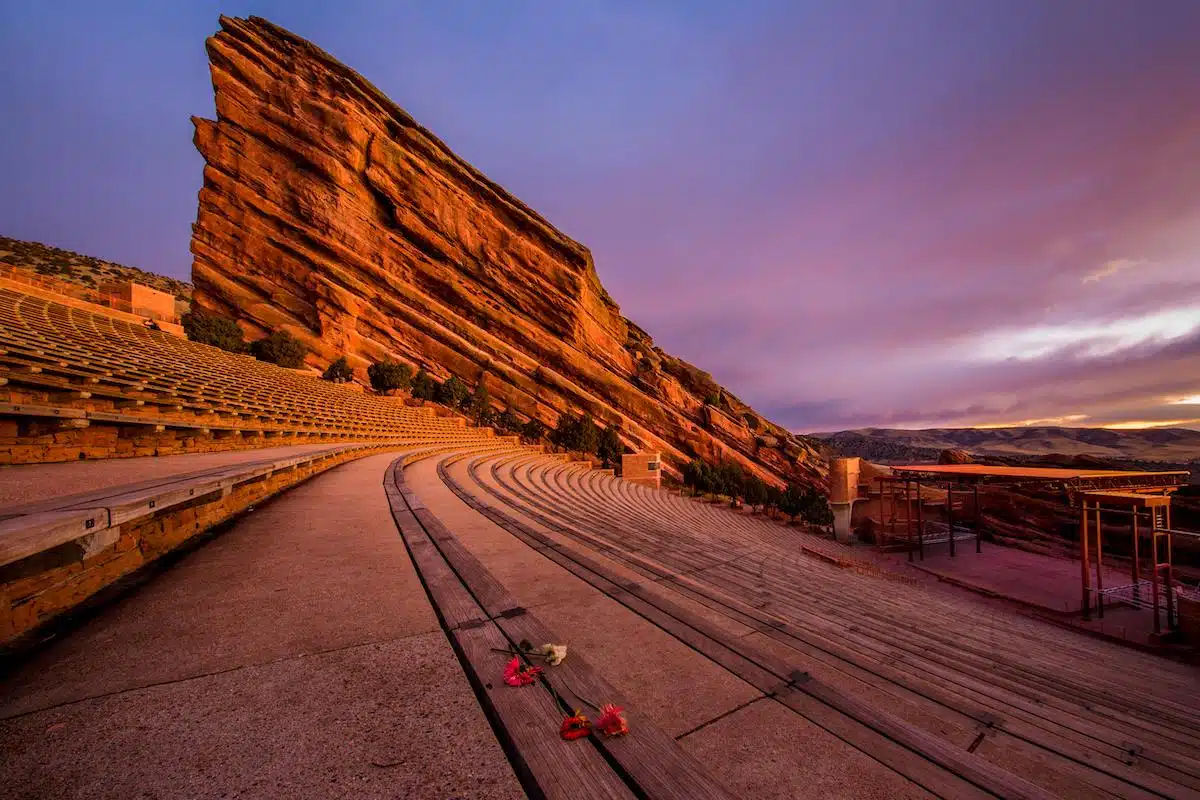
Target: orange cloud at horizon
{"x":1134,"y":425}
{"x":1030,"y":423}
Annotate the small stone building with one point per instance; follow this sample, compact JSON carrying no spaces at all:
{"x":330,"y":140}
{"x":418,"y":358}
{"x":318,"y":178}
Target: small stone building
{"x":643,"y":468}
{"x":141,"y":299}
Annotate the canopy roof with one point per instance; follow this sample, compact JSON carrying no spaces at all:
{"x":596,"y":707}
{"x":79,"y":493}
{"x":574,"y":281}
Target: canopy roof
{"x":1064,"y":474}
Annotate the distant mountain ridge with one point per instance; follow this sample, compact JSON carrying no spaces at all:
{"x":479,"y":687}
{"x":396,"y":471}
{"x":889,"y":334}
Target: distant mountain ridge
{"x":890,"y":445}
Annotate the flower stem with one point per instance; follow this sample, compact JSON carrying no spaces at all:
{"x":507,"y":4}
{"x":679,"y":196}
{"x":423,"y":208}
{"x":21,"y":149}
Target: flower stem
{"x":519,"y":652}
{"x":578,"y":696}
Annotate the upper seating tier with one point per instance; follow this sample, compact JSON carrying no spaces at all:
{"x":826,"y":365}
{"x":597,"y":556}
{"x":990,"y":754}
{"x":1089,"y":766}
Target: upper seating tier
{"x":67,"y":368}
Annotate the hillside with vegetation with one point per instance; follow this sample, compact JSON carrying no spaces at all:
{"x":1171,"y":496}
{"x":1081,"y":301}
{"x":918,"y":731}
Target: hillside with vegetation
{"x":87,"y":271}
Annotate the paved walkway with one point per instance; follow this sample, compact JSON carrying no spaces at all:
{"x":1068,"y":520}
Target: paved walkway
{"x":294,"y":656}
{"x":31,"y":483}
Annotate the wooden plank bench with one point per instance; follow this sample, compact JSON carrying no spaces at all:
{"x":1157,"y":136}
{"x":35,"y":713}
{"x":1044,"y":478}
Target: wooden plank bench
{"x":28,"y":531}
{"x":650,"y":763}
{"x":781,"y":591}
{"x":912,"y":752}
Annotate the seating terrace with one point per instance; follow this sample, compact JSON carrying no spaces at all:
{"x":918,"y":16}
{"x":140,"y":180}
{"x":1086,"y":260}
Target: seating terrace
{"x":334,"y":616}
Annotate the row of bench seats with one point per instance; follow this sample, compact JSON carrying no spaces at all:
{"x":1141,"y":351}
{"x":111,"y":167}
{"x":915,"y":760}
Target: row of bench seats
{"x":979,"y":692}
{"x":82,"y":384}
{"x":77,"y":368}
{"x":482,"y":619}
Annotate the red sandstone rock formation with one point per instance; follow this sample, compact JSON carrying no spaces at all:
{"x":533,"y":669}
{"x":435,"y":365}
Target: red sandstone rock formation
{"x":329,"y":212}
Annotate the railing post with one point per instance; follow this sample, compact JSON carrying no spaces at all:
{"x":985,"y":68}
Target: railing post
{"x":1083,"y":556}
{"x":950,"y":514}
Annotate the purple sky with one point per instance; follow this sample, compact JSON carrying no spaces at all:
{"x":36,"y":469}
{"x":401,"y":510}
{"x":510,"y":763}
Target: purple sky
{"x":852,"y":213}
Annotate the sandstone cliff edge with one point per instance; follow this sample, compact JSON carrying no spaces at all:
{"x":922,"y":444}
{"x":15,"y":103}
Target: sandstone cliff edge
{"x":327,"y":211}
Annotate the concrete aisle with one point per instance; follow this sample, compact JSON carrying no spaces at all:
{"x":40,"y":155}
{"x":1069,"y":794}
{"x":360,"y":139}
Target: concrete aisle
{"x":294,"y":656}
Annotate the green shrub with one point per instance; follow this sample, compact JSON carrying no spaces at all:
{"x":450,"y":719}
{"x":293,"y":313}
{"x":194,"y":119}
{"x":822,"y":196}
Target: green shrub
{"x":387,"y":375}
{"x":589,"y":435}
{"x":280,"y":348}
{"x":806,"y":503}
{"x":774,"y":496}
{"x":755,"y":491}
{"x":818,"y":511}
{"x":698,"y":476}
{"x":507,"y":421}
{"x":577,"y":433}
{"x":729,"y":479}
{"x":339,"y":371}
{"x":453,"y":393}
{"x":214,"y":330}
{"x":533,"y":431}
{"x":609,"y":446}
{"x":423,"y":386}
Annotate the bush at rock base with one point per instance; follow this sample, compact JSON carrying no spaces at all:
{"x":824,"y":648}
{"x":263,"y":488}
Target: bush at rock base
{"x":453,"y":393}
{"x":339,"y":371}
{"x":389,"y":375}
{"x":424,"y":387}
{"x":280,"y":348}
{"x":214,"y":330}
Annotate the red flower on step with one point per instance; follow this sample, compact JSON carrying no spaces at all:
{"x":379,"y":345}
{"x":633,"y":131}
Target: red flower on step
{"x":611,"y":721}
{"x":575,"y":727}
{"x":514,"y":675}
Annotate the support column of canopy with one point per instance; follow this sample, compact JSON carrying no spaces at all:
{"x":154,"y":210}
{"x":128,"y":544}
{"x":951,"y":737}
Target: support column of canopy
{"x":950,"y":514}
{"x":920,"y":522}
{"x":1157,"y":507}
{"x":1085,"y":601}
{"x":978,"y":519}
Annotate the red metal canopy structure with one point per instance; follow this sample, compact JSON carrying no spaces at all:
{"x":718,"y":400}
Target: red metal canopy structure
{"x":1142,"y":495}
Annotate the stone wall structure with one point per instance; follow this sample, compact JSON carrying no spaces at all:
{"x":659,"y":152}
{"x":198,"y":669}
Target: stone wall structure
{"x":143,"y":300}
{"x":642,"y":468}
{"x":327,"y":211}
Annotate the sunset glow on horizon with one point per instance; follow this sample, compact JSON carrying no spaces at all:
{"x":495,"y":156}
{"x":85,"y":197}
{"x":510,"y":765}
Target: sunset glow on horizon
{"x":1142,"y":424}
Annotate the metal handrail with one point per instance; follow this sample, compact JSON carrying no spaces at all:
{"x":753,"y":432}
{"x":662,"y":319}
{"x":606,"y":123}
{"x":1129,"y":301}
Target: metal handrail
{"x":1174,"y":532}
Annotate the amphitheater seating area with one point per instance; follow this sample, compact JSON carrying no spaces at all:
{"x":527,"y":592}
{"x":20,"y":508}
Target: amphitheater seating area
{"x":77,"y":368}
{"x":992,"y":702}
{"x":331,"y":613}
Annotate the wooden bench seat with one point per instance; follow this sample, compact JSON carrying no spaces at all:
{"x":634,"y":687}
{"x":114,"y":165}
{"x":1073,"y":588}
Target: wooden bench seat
{"x":1056,"y":698}
{"x":479,"y":615}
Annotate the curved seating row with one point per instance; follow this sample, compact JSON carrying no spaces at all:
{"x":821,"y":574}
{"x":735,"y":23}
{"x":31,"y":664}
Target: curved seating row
{"x":482,"y":620}
{"x":76,"y":367}
{"x":967,"y":687}
{"x":476,"y":613}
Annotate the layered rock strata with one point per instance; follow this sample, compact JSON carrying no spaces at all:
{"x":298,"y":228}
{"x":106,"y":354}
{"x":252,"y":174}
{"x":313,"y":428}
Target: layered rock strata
{"x":327,"y":211}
